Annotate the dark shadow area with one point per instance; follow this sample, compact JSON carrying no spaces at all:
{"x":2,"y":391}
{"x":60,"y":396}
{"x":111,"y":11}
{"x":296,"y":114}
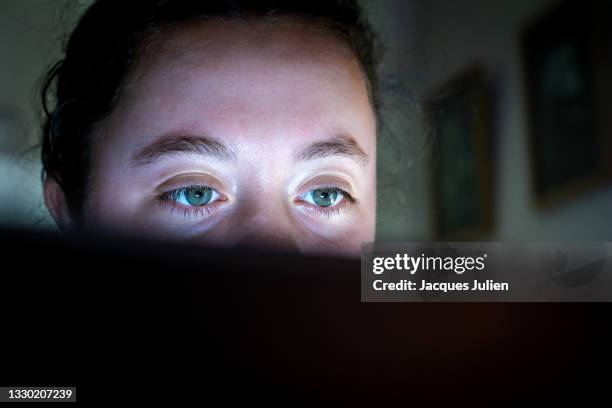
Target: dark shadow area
{"x":144,"y":321}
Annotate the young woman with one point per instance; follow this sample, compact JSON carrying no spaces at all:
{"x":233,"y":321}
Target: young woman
{"x":228,"y":122}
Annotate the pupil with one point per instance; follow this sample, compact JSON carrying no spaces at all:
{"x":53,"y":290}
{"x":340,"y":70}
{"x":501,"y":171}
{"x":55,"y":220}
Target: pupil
{"x":199,"y":196}
{"x":324,"y":197}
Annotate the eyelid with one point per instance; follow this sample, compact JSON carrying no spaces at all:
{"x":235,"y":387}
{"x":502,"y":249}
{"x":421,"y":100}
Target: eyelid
{"x":325,"y":181}
{"x":192,"y":179}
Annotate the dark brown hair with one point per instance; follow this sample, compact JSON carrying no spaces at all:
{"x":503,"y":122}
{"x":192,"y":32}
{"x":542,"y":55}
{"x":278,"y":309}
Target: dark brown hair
{"x":81,"y":89}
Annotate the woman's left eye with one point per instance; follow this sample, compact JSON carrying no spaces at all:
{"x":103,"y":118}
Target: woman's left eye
{"x":192,"y":196}
{"x":324,"y":196}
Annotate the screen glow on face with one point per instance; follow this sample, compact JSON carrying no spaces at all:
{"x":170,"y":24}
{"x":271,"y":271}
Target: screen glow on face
{"x":197,"y":195}
{"x":201,"y":200}
{"x":251,"y":145}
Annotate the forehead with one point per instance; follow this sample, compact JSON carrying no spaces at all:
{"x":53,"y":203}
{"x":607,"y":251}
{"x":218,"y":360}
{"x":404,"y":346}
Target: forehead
{"x":242,"y":78}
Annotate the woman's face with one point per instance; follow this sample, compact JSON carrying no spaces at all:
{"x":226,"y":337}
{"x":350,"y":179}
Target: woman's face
{"x":238,"y":133}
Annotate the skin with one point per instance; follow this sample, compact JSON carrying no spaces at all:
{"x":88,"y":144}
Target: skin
{"x":261,"y":113}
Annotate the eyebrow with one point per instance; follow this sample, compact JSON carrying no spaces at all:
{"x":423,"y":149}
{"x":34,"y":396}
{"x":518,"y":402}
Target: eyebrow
{"x":184,"y":143}
{"x":177,"y":143}
{"x":337,"y":146}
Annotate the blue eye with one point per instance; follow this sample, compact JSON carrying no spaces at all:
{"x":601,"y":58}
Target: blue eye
{"x":193,"y":196}
{"x":324,"y":196}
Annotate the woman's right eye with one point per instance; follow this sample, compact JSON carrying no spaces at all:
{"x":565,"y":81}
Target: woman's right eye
{"x":192,"y":196}
{"x":195,"y":196}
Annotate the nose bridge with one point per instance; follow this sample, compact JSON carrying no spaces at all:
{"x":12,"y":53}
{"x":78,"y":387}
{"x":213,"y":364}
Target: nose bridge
{"x":265,"y":225}
{"x":269,"y":240}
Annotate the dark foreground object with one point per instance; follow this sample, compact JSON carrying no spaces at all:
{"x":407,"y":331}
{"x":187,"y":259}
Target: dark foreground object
{"x":148,"y":322}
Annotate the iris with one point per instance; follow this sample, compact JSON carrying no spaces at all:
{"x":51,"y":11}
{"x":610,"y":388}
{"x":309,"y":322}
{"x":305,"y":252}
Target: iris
{"x":324,"y":197}
{"x":192,"y":196}
{"x":198,"y":196}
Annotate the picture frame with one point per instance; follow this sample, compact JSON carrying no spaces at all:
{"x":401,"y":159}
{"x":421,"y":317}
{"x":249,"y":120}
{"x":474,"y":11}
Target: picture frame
{"x":566,"y":67}
{"x":458,"y":114}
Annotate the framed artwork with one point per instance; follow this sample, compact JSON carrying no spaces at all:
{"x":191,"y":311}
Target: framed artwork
{"x":458,"y":115}
{"x":566,"y":64}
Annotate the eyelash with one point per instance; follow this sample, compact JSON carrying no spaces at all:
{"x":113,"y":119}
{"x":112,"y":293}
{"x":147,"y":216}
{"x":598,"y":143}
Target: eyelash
{"x":170,"y":198}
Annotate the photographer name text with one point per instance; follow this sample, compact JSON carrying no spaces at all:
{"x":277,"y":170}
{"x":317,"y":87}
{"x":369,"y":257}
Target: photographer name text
{"x":423,"y":285}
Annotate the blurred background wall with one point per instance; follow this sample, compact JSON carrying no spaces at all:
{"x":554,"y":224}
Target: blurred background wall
{"x":30,"y":35}
{"x":428,"y":42}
